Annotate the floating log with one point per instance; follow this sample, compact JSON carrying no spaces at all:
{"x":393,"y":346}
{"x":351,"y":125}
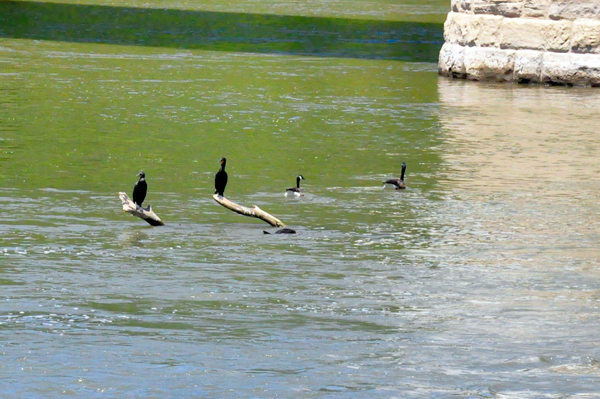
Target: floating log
{"x":255,"y":212}
{"x":144,"y":213}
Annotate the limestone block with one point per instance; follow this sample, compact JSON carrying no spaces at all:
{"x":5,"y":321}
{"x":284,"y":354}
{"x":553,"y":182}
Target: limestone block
{"x":451,"y":61}
{"x":533,"y":34}
{"x":573,"y":9}
{"x":506,"y":8}
{"x":557,"y":68}
{"x":463,"y":6}
{"x":585,"y":36}
{"x":557,"y":35}
{"x":489,"y":63}
{"x":470,"y":30}
{"x":571,"y":69}
{"x":522,"y":34}
{"x":528,"y":66}
{"x":589,"y":65}
{"x":490,"y":31}
{"x":536,"y":8}
{"x":461,"y":28}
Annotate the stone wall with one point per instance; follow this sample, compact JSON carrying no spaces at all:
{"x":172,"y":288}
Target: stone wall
{"x":546,"y":41}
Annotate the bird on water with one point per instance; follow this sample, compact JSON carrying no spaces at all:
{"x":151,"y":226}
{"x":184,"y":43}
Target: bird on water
{"x":285,"y":230}
{"x":140,"y":189}
{"x":221,"y":178}
{"x":295,"y":191}
{"x":398,"y":183}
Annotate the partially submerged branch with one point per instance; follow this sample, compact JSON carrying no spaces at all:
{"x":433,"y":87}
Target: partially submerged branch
{"x":144,"y":213}
{"x":254,"y":212}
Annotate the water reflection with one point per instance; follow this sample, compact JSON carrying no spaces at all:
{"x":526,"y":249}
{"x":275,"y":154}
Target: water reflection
{"x":521,"y":183}
{"x":526,"y":158}
{"x":133,"y":238}
{"x":517,"y":138}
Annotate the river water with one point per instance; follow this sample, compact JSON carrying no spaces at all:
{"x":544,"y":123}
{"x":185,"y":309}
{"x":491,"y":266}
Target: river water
{"x":480,"y":280}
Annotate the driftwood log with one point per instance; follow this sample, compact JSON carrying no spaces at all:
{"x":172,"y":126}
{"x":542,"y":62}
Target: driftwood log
{"x":144,"y":213}
{"x":254,"y":212}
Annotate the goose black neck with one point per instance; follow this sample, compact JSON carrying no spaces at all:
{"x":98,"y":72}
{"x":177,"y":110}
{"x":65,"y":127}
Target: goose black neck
{"x":298,"y":182}
{"x":403,"y":170}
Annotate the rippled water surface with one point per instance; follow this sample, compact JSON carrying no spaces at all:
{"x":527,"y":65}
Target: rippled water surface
{"x":479,"y":280}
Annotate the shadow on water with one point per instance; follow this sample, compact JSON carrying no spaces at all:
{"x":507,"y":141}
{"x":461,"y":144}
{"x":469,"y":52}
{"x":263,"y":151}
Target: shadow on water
{"x":221,"y":31}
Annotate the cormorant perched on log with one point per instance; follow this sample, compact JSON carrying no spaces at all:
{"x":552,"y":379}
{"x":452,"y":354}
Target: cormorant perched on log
{"x":398,"y":183}
{"x":221,"y":178}
{"x":140,"y":189}
{"x":295,"y":191}
{"x":285,"y":230}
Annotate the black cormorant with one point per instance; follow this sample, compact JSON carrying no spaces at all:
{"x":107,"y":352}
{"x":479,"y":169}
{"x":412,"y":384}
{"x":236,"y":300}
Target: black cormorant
{"x":140,"y":189}
{"x":285,"y":230}
{"x":221,"y":178}
{"x":398,"y":183}
{"x":295,"y":191}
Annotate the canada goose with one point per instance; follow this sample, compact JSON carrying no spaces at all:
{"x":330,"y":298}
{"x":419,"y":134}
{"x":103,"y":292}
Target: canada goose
{"x":398,"y":183}
{"x":295,"y":191}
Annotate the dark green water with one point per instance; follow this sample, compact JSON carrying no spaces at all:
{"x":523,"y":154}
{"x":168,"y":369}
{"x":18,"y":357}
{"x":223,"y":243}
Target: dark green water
{"x":479,"y":280}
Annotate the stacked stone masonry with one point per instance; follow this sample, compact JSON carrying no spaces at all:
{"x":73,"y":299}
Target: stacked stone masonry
{"x":545,"y":41}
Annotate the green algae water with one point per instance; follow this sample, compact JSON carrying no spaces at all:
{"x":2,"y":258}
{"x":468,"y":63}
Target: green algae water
{"x":479,"y":280}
